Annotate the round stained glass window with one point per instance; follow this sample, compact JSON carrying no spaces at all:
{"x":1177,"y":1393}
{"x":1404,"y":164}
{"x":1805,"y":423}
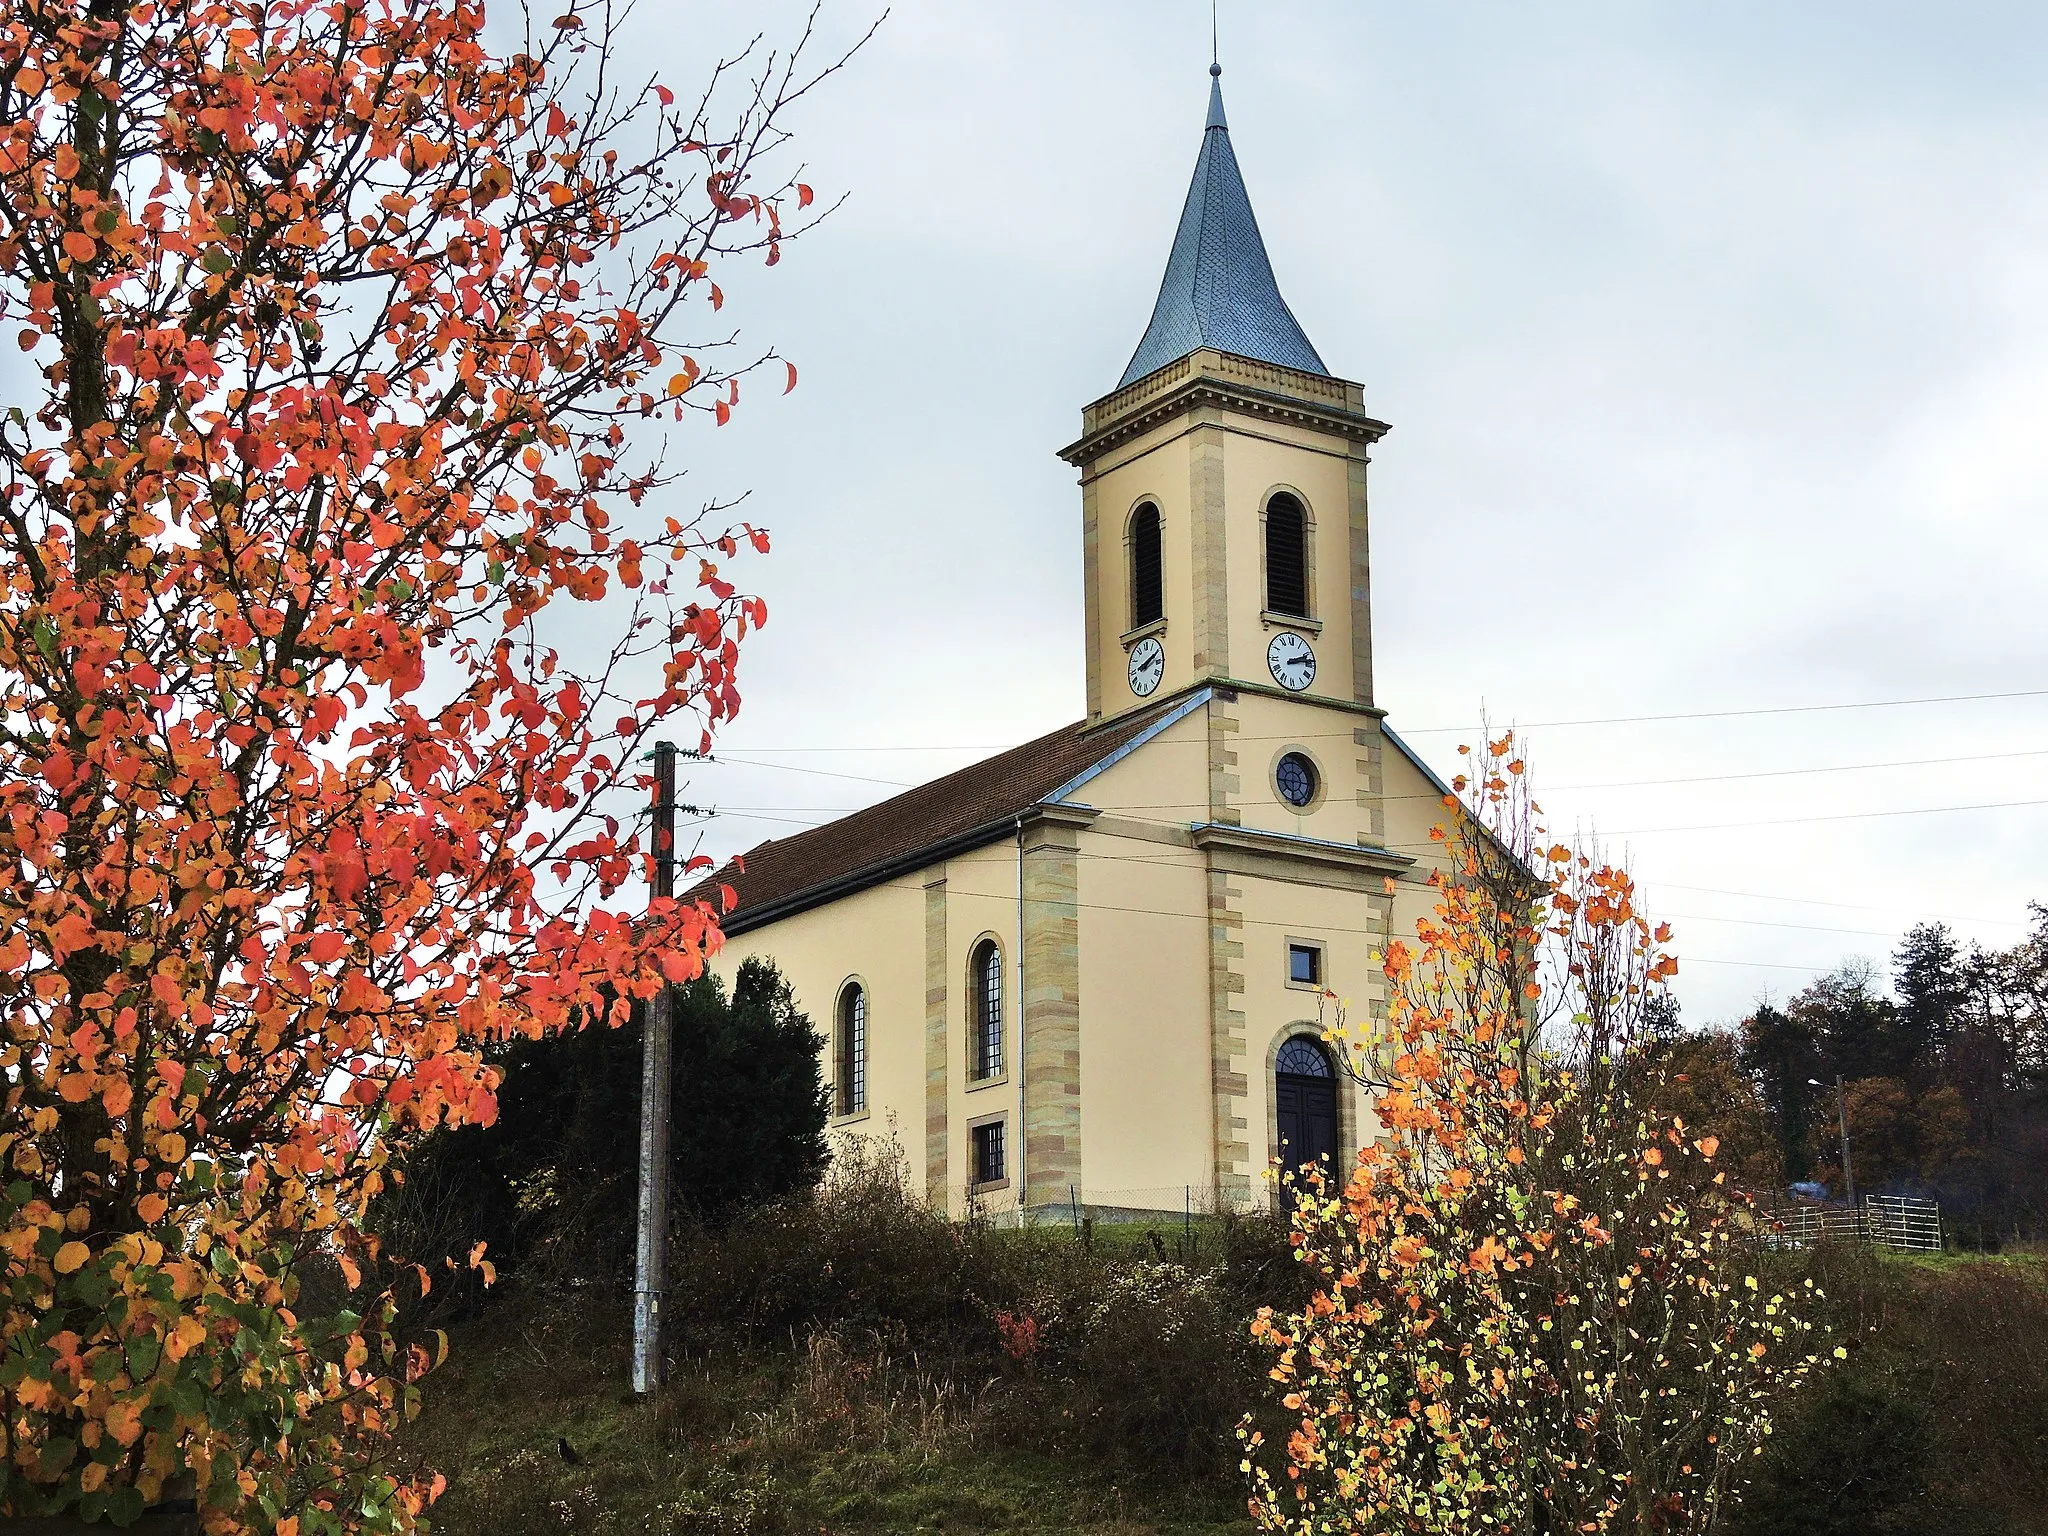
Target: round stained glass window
{"x":1295,"y":778}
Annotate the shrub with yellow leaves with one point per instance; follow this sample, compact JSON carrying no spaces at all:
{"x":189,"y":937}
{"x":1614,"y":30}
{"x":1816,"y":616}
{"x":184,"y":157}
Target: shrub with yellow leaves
{"x":1537,"y":1303}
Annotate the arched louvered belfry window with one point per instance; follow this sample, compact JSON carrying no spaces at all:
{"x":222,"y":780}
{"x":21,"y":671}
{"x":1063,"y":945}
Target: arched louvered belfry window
{"x":1148,"y":587}
{"x":850,"y":1050}
{"x":1286,"y":556}
{"x":986,"y":1053}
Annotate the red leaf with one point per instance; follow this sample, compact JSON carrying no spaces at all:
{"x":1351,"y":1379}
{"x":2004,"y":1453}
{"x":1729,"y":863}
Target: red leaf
{"x":803,"y":195}
{"x":792,"y":377}
{"x":345,"y":873}
{"x":667,"y":96}
{"x":723,"y":412}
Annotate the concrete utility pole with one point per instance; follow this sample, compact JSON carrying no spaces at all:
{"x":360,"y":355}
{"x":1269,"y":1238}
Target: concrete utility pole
{"x":650,"y":1264}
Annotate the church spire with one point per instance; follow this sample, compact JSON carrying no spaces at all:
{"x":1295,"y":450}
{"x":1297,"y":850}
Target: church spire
{"x":1219,"y":289}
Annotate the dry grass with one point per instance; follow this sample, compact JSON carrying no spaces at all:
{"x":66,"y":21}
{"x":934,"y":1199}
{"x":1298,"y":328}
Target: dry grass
{"x":822,"y":1434}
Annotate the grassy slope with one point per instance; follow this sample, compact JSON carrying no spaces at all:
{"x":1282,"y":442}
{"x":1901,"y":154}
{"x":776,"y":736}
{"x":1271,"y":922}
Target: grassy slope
{"x":1938,"y":1426}
{"x":808,"y":1441}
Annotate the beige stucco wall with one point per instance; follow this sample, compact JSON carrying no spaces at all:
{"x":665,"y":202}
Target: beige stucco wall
{"x":877,"y":937}
{"x":1183,"y":990}
{"x":1145,"y":1018}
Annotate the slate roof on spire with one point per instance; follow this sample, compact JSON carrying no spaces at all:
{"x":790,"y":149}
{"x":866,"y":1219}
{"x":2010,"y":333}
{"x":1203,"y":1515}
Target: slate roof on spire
{"x":1219,"y":290}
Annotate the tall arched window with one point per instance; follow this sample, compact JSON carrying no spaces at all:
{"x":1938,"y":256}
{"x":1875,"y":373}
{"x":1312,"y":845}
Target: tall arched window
{"x":1148,"y":592}
{"x":986,"y":1054}
{"x":1286,"y":556}
{"x":851,"y":1050}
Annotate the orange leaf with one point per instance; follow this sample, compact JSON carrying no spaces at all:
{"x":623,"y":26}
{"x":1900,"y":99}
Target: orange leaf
{"x":80,"y":246}
{"x":124,"y":1420}
{"x":72,"y":1257}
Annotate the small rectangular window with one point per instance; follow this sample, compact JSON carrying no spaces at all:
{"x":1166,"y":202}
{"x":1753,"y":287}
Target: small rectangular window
{"x":988,"y":1153}
{"x":1305,"y":965}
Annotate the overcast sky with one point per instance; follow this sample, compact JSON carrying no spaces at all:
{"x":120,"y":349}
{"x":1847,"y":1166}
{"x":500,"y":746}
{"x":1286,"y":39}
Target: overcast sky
{"x":1715,"y":341}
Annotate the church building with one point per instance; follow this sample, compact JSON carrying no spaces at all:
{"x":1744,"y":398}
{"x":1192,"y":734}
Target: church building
{"x":1087,"y":974}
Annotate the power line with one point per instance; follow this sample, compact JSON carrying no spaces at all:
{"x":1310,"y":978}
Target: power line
{"x":1439,"y":730}
{"x":823,"y":773}
{"x":1814,"y":901}
{"x":1800,"y":821}
{"x":1431,"y":795}
{"x":1292,"y":925}
{"x":1712,"y":826}
{"x":1188,"y":859}
{"x":1734,"y":714}
{"x":1790,"y":773}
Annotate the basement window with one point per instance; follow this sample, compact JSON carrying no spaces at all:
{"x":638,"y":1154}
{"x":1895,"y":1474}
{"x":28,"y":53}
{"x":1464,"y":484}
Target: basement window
{"x":989,"y":1166}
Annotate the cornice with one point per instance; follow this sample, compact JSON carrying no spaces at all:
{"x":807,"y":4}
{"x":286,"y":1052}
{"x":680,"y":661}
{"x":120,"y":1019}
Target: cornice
{"x":1204,"y":386}
{"x":1292,"y":846}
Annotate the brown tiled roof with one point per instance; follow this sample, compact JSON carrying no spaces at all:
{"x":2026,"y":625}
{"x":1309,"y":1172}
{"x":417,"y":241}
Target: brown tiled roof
{"x":960,"y":811}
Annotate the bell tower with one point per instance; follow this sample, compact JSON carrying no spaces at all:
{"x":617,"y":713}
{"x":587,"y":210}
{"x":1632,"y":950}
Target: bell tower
{"x":1223,"y":484}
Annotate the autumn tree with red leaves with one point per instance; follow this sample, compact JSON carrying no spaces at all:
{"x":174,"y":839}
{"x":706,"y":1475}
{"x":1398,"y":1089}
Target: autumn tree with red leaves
{"x":354,"y":339}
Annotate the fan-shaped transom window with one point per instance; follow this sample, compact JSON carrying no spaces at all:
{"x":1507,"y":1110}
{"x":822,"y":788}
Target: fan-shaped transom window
{"x":1286,"y":556}
{"x":1148,"y":591}
{"x":851,"y":1050}
{"x":986,"y":1053}
{"x":1301,"y":1057}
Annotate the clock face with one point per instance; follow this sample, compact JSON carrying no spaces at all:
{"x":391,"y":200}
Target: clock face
{"x":1291,"y":660}
{"x":1147,"y":666}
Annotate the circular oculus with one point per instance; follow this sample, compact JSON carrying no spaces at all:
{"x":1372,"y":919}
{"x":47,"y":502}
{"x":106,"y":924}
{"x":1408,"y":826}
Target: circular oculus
{"x":1295,"y":777}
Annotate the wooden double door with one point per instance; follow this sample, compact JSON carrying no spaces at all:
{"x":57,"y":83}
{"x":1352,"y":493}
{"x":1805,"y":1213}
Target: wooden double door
{"x":1305,"y":1098}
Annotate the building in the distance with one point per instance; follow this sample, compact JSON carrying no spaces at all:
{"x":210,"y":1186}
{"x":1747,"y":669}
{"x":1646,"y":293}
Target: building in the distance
{"x":1089,"y":971}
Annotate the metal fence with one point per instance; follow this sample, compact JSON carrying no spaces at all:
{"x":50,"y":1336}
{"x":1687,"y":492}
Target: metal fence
{"x":1900,"y":1222}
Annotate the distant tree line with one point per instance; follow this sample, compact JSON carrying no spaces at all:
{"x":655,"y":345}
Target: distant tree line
{"x":1944,"y":1076}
